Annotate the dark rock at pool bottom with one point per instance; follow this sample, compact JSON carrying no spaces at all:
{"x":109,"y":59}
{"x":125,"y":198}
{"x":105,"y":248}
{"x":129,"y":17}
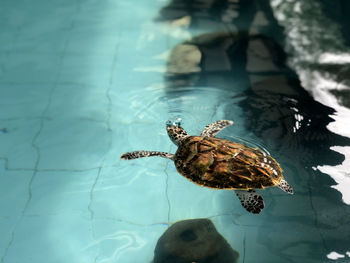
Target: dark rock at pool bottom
{"x":194,"y":240}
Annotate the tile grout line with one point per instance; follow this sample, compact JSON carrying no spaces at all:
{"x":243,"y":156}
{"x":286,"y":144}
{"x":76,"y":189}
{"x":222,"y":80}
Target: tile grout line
{"x":167,"y":188}
{"x":92,"y":214}
{"x":7,"y":168}
{"x":37,"y":149}
{"x":108,"y":126}
{"x":166,"y":191}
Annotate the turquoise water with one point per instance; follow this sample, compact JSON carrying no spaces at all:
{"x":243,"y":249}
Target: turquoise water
{"x":81,"y":82}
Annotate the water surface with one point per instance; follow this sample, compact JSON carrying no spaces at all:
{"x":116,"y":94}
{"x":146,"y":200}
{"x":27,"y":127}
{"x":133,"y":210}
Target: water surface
{"x":82,"y":82}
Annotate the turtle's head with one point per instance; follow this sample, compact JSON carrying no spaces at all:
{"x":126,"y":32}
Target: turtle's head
{"x":175,"y":131}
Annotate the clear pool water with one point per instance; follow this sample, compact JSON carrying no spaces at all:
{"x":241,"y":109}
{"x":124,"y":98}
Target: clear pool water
{"x":83,"y":81}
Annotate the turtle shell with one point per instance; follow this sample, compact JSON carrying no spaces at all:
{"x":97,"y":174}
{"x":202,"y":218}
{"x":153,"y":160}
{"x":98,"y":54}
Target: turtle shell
{"x":222,"y":164}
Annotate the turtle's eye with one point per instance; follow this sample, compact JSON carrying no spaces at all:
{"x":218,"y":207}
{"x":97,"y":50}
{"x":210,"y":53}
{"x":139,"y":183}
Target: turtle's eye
{"x":169,"y":123}
{"x":176,"y":122}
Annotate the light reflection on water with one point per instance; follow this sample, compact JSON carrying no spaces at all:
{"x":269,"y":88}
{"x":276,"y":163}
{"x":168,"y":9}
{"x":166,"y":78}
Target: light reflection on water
{"x":321,"y":59}
{"x":194,"y":105}
{"x":340,"y":173}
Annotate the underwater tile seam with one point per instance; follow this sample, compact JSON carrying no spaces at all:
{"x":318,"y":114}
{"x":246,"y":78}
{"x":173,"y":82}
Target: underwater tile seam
{"x":166,"y":190}
{"x":37,"y":149}
{"x":110,"y":142}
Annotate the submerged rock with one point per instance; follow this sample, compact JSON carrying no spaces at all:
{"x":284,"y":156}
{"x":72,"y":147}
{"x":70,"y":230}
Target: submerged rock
{"x":194,"y":240}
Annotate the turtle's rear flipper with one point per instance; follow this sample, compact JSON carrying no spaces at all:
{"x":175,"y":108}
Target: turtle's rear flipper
{"x":213,"y":128}
{"x":140,"y":154}
{"x":286,"y":187}
{"x":251,"y":200}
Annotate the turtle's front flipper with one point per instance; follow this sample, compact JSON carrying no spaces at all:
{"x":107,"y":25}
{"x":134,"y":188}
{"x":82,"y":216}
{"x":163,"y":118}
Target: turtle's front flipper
{"x":213,"y":128}
{"x":286,"y":187}
{"x":251,"y":200}
{"x":140,"y":154}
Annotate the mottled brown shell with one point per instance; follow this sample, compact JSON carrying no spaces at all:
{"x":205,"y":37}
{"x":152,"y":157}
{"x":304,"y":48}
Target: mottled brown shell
{"x":222,"y":164}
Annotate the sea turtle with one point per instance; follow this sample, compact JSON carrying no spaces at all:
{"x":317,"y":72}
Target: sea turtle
{"x":221,"y":164}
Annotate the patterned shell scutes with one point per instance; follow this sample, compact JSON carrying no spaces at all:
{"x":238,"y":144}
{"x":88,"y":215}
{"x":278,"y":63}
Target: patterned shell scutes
{"x":222,"y":164}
